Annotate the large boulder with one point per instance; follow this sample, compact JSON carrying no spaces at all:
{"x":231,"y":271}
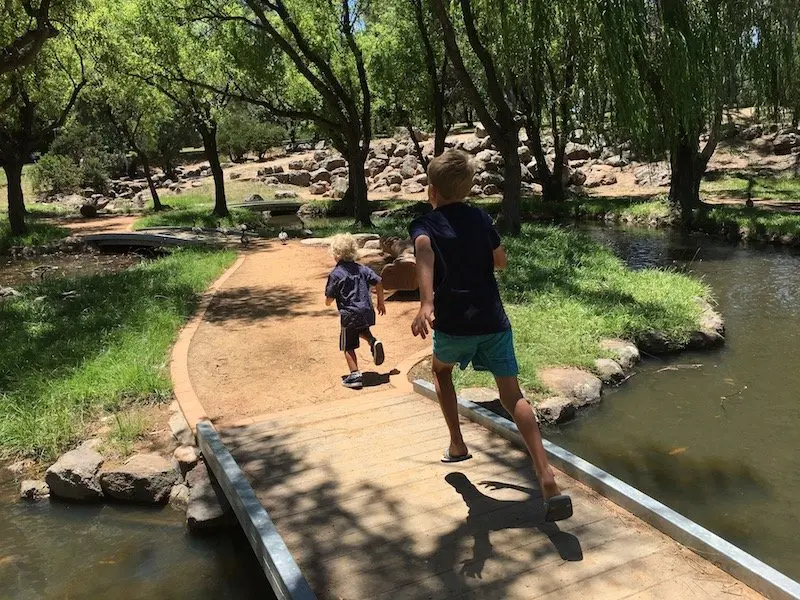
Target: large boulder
{"x":377,"y":165}
{"x":580,"y":387}
{"x":609,"y":370}
{"x":412,"y":187}
{"x":752,"y":132}
{"x":285,"y":195}
{"x":389,"y":178}
{"x":654,"y":175}
{"x":472,"y":145}
{"x":339,"y":186}
{"x":784,"y":143}
{"x":711,"y":327}
{"x":480,"y":131}
{"x":524,"y":154}
{"x":626,"y":353}
{"x":577,"y":177}
{"x":617,"y":161}
{"x":299,"y":178}
{"x":401,"y":151}
{"x":401,"y":274}
{"x":207,"y":506}
{"x":556,"y":409}
{"x":335,"y":162}
{"x":575,"y":151}
{"x":317,"y":189}
{"x":74,"y":476}
{"x":487,"y":156}
{"x":186,"y":458}
{"x":145,"y":478}
{"x":598,"y":177}
{"x":320,"y":175}
{"x":487,"y":177}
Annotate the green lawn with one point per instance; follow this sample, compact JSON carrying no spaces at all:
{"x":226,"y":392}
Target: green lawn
{"x":63,"y":360}
{"x":38,"y":234}
{"x":779,"y":189}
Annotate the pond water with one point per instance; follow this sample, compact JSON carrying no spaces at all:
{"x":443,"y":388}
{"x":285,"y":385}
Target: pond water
{"x":52,"y":550}
{"x":714,"y":435}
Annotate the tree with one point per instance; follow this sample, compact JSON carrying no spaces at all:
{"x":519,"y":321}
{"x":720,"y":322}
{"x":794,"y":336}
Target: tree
{"x":494,"y":107}
{"x":40,"y":97}
{"x":24,"y":29}
{"x":303,"y":60}
{"x":670,"y":64}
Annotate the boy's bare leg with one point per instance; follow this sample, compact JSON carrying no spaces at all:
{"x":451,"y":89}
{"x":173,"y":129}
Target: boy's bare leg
{"x":514,"y":402}
{"x":352,"y":361}
{"x":443,"y":381}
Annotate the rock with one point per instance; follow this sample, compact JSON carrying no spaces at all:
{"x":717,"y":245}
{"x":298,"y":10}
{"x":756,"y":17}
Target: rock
{"x":339,"y":187}
{"x":335,"y":162}
{"x":627,"y":354}
{"x":577,"y":177}
{"x":180,"y":429}
{"x":298,"y":178}
{"x":74,"y":475}
{"x":21,"y":466}
{"x":711,"y":330}
{"x":395,"y":188}
{"x":390,"y":178}
{"x":752,"y":132}
{"x":486,"y":143}
{"x":401,"y":274}
{"x":472,"y":146}
{"x":364,"y":253}
{"x":579,"y":386}
{"x":207,"y":505}
{"x":320,"y":145}
{"x":317,"y":189}
{"x":609,"y":370}
{"x":8,"y":292}
{"x":479,"y":394}
{"x":487,"y":156}
{"x":377,"y":165}
{"x":480,"y":131}
{"x":412,"y":187}
{"x":657,"y":342}
{"x":487,"y":177}
{"x":490,"y":190}
{"x":285,"y":194}
{"x":524,"y":154}
{"x":317,"y":242}
{"x":597,"y":178}
{"x":476,"y":190}
{"x":362,"y":238}
{"x":186,"y":457}
{"x":372,"y":245}
{"x":235,"y":176}
{"x":655,"y":174}
{"x":179,"y":495}
{"x":295,"y":165}
{"x":32,"y":489}
{"x":395,"y":247}
{"x":783,"y":143}
{"x":554,"y":410}
{"x":254,"y":198}
{"x":400,"y":151}
{"x":616,"y":161}
{"x":270,"y":181}
{"x":88,"y":211}
{"x":575,"y":151}
{"x":320,"y":175}
{"x":146,"y":478}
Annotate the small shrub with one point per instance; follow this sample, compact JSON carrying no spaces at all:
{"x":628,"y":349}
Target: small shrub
{"x":265,"y":136}
{"x":94,"y":171}
{"x":55,"y":174}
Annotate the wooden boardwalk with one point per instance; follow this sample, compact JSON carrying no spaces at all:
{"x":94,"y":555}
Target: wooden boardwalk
{"x":357,"y":491}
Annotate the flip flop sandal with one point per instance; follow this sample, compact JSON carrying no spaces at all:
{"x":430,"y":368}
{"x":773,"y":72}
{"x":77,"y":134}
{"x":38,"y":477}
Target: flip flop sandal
{"x":448,"y":458}
{"x":558,"y":508}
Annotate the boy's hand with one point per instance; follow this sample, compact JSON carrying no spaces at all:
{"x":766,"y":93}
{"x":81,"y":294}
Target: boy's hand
{"x":423,"y":322}
{"x":381,"y":308}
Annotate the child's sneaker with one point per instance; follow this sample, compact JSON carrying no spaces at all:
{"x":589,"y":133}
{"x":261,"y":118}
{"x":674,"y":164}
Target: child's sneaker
{"x":354,"y":381}
{"x":377,"y":352}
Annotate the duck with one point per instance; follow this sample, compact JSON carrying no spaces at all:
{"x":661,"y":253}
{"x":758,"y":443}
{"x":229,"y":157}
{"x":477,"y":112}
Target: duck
{"x":283,"y":236}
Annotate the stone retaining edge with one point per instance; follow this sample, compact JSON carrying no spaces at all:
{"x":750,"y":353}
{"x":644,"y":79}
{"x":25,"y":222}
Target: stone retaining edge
{"x":283,"y":574}
{"x":732,"y":559}
{"x":183,"y":390}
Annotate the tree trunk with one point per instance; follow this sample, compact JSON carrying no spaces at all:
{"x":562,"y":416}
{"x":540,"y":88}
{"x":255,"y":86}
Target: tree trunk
{"x":551,"y":181}
{"x":510,"y":220}
{"x":209,"y":135}
{"x":417,"y":147}
{"x":355,"y":199}
{"x":150,"y":183}
{"x":684,"y":190}
{"x":16,"y":203}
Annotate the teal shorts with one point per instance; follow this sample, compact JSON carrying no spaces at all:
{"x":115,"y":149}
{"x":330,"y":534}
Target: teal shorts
{"x":493,"y":352}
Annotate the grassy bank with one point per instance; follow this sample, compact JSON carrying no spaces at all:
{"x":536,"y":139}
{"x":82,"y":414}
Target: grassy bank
{"x":65,"y":358}
{"x":39,"y":233}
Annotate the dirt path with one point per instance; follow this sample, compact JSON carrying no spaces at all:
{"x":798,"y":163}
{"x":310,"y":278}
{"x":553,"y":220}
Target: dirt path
{"x":268,"y":342}
{"x":101,"y":224}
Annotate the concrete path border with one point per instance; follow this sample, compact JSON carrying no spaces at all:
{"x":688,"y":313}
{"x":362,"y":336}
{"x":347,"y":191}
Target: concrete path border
{"x":732,"y":559}
{"x":285,"y":577}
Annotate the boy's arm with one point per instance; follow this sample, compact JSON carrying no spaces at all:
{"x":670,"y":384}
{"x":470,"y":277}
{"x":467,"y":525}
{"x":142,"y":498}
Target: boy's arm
{"x":500,"y":258}
{"x":425,"y":259}
{"x":381,"y":303}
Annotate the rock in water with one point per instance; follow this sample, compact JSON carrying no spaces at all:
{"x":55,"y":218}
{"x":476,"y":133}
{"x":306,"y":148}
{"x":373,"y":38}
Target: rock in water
{"x":609,"y":370}
{"x":627,"y":354}
{"x":207,"y":504}
{"x":556,"y":409}
{"x":34,"y":490}
{"x":74,"y":475}
{"x":144,"y":478}
{"x":186,"y":457}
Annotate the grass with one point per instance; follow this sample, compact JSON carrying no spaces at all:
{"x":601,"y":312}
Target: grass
{"x":778,"y":189}
{"x":38,"y":234}
{"x":129,"y":427}
{"x":65,"y":359}
{"x":751,"y":223}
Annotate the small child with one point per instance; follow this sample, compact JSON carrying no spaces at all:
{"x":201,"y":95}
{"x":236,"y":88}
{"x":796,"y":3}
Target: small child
{"x":349,"y":285}
{"x":457,"y":250}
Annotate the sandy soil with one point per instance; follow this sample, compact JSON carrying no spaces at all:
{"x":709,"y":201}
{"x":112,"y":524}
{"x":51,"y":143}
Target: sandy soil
{"x":268,"y":342}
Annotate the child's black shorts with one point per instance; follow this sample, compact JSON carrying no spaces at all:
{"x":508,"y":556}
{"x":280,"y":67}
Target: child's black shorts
{"x":350,"y":338}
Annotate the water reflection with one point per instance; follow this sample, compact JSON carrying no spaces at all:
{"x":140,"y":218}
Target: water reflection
{"x":717,"y":442}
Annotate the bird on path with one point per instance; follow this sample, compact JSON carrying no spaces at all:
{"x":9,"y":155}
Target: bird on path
{"x":283,"y":236}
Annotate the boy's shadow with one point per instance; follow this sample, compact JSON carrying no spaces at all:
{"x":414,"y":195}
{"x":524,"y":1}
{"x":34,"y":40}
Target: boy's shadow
{"x":374,"y":379}
{"x":487,"y":514}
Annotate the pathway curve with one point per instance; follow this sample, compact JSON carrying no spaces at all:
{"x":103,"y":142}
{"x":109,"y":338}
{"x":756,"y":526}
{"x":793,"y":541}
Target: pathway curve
{"x":268,"y":343}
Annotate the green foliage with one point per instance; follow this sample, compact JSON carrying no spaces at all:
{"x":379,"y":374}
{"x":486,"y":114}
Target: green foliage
{"x":94,"y":171}
{"x":37,"y":234}
{"x":55,"y":174}
{"x":242,"y":132}
{"x":104,"y":347}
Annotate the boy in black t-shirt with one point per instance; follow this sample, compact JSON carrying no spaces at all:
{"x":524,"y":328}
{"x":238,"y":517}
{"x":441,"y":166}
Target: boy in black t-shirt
{"x":457,"y":250}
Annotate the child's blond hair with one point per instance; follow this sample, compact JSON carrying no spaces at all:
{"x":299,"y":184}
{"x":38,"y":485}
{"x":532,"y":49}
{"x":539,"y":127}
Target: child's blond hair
{"x":451,"y":174}
{"x":344,"y":247}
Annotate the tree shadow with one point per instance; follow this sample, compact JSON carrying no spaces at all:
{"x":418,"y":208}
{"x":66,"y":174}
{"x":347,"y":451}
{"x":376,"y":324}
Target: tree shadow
{"x":248,"y":304}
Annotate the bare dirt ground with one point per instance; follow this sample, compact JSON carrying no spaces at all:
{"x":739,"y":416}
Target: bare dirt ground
{"x":100,"y":224}
{"x":268,"y":342}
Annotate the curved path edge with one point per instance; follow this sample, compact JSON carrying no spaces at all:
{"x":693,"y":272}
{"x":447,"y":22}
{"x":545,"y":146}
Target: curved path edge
{"x":182,"y":388}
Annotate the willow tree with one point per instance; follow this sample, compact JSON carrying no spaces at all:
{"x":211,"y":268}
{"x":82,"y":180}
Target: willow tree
{"x":303,"y":60}
{"x":670,"y":64}
{"x":409,"y":69}
{"x":39,"y":98}
{"x":773,"y":64}
{"x":25,"y":26}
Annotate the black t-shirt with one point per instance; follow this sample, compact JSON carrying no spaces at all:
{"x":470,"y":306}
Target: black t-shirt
{"x":466,"y":299}
{"x":349,"y":283}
